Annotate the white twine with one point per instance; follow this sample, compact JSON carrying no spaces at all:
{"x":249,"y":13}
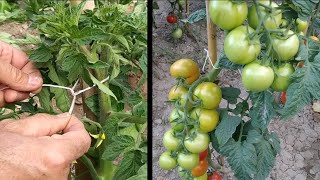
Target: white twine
{"x":73,"y":93}
{"x":205,"y":61}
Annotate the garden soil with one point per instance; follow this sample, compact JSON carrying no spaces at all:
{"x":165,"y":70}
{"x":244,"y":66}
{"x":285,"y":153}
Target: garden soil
{"x":299,"y":137}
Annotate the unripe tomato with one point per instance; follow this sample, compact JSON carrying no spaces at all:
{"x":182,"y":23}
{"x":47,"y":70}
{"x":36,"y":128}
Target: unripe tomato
{"x":208,"y":119}
{"x":209,"y":93}
{"x":176,"y":114}
{"x":181,"y":94}
{"x":172,"y":19}
{"x":197,"y":144}
{"x":284,"y":23}
{"x":177,"y":33}
{"x":272,"y":21}
{"x":188,"y":161}
{"x":203,"y":155}
{"x":203,"y":177}
{"x":182,"y":2}
{"x":256,"y":77}
{"x":200,"y":169}
{"x":185,"y":68}
{"x":238,"y":48}
{"x":302,"y":25}
{"x":286,"y":47}
{"x":281,"y":79}
{"x":227,"y":14}
{"x":176,"y":92}
{"x":166,"y":161}
{"x":215,"y":176}
{"x":170,"y":142}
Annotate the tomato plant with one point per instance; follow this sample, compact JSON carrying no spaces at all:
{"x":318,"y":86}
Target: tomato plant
{"x":273,"y":54}
{"x":98,"y":48}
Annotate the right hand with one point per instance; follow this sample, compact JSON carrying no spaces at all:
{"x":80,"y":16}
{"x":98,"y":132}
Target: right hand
{"x":30,"y":148}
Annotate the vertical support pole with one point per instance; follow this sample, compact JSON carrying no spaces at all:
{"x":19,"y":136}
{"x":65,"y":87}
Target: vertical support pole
{"x":212,"y":37}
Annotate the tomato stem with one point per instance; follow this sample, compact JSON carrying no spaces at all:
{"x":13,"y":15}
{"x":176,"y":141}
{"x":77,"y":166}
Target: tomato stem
{"x":85,"y":160}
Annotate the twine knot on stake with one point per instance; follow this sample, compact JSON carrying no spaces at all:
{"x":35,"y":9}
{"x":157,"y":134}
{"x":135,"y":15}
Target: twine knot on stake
{"x":205,"y":61}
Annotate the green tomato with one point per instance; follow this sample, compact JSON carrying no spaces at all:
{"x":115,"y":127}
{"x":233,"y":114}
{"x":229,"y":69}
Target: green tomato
{"x":203,"y":177}
{"x":166,"y":161}
{"x":284,"y":23}
{"x":182,"y":3}
{"x":273,"y":19}
{"x":169,"y":141}
{"x":238,"y":48}
{"x":188,"y":161}
{"x":256,"y":77}
{"x":208,"y":119}
{"x":286,"y":47}
{"x":177,"y":33}
{"x":281,"y":79}
{"x":227,"y":14}
{"x":197,"y":144}
{"x":302,"y":25}
{"x":209,"y":93}
{"x":176,"y":114}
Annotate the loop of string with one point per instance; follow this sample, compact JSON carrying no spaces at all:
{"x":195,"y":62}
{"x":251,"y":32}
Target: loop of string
{"x":205,"y":61}
{"x":72,"y":90}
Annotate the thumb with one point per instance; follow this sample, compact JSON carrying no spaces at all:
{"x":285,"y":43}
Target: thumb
{"x":17,"y":79}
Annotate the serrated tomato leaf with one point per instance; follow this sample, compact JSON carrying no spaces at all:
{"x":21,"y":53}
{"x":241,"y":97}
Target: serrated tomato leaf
{"x":227,"y":126}
{"x":242,"y":158}
{"x":42,"y":54}
{"x":102,"y":87}
{"x":117,"y":146}
{"x":254,"y":137}
{"x":263,"y":109}
{"x":129,"y":166}
{"x":265,"y":159}
{"x":230,"y":94}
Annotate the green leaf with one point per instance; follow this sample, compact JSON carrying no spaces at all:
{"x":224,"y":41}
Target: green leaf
{"x":98,"y":65}
{"x":195,"y":16}
{"x":129,"y":166}
{"x":88,"y":34}
{"x":242,"y":158}
{"x":42,"y":54}
{"x":254,"y":137}
{"x":117,"y":146}
{"x":121,"y":39}
{"x":305,"y":85}
{"x":70,"y":61}
{"x":230,"y":94}
{"x":265,"y":159}
{"x":131,"y":130}
{"x":44,"y":98}
{"x":262,"y":110}
{"x":226,"y":127}
{"x":305,"y":8}
{"x":274,"y":140}
{"x":61,"y":95}
{"x":142,"y":173}
{"x":102,"y":87}
{"x":93,"y":104}
{"x":241,"y":108}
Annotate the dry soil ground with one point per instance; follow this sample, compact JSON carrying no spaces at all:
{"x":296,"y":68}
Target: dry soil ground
{"x":300,"y":143}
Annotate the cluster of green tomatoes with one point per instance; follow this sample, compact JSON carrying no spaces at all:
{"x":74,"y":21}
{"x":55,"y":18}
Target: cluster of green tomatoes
{"x":242,"y":43}
{"x":194,"y":116}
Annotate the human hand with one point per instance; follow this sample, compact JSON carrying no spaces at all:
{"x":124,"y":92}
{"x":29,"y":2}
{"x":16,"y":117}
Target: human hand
{"x":30,"y":148}
{"x":18,"y":74}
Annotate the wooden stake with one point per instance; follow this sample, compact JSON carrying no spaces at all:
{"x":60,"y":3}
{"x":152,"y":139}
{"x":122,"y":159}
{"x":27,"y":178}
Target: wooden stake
{"x":212,"y":37}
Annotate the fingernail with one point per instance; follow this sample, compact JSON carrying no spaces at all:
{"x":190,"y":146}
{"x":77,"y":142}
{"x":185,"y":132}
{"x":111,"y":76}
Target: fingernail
{"x":34,"y":80}
{"x":63,"y":115}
